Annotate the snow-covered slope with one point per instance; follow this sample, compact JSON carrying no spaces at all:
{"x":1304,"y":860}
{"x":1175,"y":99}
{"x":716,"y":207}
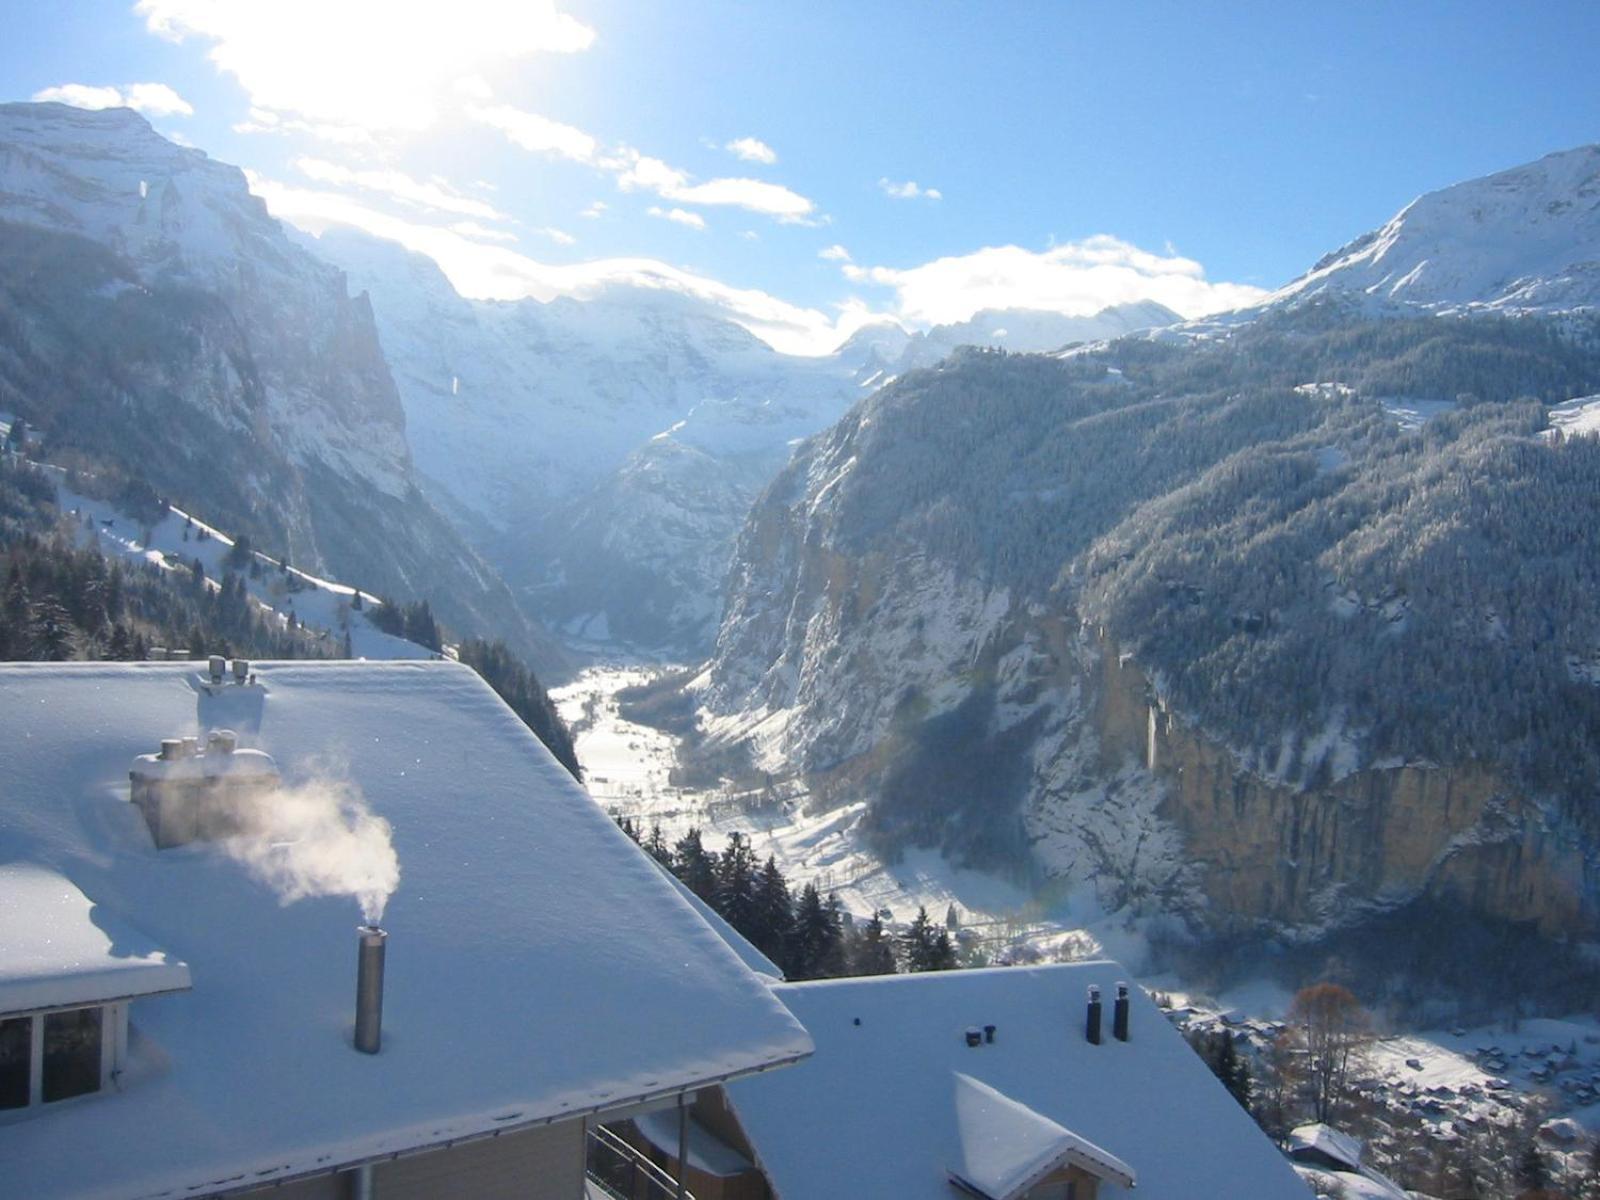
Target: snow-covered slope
{"x":338,"y":614}
{"x":164,"y":321}
{"x":1523,"y":239}
{"x":602,"y":452}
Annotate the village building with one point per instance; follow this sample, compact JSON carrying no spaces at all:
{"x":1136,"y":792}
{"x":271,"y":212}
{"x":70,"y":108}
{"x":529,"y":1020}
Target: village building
{"x":187,"y":1007}
{"x":1005,"y":1084}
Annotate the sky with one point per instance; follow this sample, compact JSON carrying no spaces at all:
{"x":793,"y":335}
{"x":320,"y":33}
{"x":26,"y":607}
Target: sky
{"x":809,"y":168}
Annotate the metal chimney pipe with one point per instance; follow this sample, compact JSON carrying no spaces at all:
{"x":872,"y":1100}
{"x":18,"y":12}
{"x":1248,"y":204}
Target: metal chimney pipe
{"x":369,"y":989}
{"x":1092,"y":1026}
{"x":1119,"y":1014}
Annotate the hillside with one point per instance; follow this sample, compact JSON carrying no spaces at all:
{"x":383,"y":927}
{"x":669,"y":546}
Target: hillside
{"x":152,"y":314}
{"x":1220,"y":627}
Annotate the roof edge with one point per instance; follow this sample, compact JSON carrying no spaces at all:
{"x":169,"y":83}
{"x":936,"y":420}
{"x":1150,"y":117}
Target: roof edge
{"x":499,"y":1129}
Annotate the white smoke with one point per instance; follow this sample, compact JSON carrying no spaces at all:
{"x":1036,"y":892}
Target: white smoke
{"x":320,"y":839}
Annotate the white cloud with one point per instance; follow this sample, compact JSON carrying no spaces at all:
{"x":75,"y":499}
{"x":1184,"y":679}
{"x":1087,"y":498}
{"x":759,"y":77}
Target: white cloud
{"x":501,"y":273}
{"x":750,"y":235}
{"x":1076,"y":278}
{"x":538,"y":134}
{"x":755,"y":195}
{"x":559,"y":236}
{"x":636,"y":171}
{"x":909,"y":190}
{"x":834,"y":253}
{"x":679,"y":215}
{"x":481,"y":233}
{"x":594,"y":210}
{"x":261,"y":120}
{"x":373,"y":64}
{"x":752,"y":150}
{"x":432,"y":194}
{"x":156,"y":99}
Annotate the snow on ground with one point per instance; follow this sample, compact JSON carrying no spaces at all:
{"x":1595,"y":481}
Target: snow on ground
{"x":628,"y":767}
{"x":1577,"y":418}
{"x":1448,"y":1078}
{"x":1413,"y":414}
{"x":180,"y":538}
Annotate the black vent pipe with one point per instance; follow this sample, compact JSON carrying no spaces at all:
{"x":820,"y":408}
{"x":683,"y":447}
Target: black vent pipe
{"x":369,"y":989}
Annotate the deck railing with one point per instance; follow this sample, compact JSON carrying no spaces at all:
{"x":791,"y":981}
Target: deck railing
{"x":624,"y":1173}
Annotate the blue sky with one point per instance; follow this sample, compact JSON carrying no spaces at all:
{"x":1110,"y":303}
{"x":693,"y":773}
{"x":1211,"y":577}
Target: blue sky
{"x":1063,"y":155}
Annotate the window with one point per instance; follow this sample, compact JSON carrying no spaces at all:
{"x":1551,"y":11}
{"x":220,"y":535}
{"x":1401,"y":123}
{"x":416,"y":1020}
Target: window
{"x":71,"y":1054}
{"x":16,"y":1057}
{"x":46,"y":1057}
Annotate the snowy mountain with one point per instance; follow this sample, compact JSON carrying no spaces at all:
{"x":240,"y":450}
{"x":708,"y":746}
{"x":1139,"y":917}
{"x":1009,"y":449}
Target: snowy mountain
{"x":1527,"y":239}
{"x":1215,"y":625}
{"x":157,"y":317}
{"x":601,"y":452}
{"x":892,"y":349}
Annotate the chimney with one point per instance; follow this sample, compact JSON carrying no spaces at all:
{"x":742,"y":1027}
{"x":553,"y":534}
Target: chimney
{"x":988,"y":1033}
{"x":1092,"y":1025}
{"x":369,"y":989}
{"x":1119,"y":1014}
{"x":974,"y":1036}
{"x":241,"y":670}
{"x":216,"y":667}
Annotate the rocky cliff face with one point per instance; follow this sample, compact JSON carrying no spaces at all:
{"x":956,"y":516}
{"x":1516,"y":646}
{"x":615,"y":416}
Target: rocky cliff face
{"x":1313,"y":857}
{"x":1317,"y":597}
{"x":156,"y":316}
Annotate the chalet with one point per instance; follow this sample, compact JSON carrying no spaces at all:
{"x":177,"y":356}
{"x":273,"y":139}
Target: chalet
{"x":1043,"y":1083}
{"x":187,"y":1007}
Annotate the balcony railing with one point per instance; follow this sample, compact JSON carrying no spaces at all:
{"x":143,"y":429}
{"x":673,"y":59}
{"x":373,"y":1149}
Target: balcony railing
{"x":623,"y":1173}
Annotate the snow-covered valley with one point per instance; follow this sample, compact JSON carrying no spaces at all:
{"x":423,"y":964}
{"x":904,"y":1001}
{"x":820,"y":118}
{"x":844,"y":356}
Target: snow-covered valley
{"x":629,"y":771}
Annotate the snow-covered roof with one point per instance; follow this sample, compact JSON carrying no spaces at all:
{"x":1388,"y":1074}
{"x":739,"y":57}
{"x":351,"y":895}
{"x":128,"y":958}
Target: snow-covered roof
{"x":1333,"y":1144}
{"x":1003,"y":1147}
{"x":737,"y":942}
{"x":538,"y":965}
{"x":707,"y":1152}
{"x":58,"y":948}
{"x":873,"y":1112}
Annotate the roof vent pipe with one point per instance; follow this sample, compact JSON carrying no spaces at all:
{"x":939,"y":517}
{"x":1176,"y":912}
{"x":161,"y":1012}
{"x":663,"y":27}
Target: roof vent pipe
{"x":241,"y":670}
{"x":369,"y":989}
{"x":1092,"y":1026}
{"x":974,"y":1036}
{"x":988,"y":1033}
{"x":1119,"y":1014}
{"x":216,"y":667}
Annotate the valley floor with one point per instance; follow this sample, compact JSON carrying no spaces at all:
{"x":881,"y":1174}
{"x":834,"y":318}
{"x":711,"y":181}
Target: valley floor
{"x":1443,"y":1082}
{"x":628,"y":767}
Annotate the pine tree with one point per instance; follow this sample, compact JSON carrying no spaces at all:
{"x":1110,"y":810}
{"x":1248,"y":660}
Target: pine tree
{"x":816,"y":939}
{"x":873,"y":951}
{"x":51,"y":637}
{"x":1533,"y":1174}
{"x":16,"y":617}
{"x":942,"y":953}
{"x":773,"y":912}
{"x":916,"y":942}
{"x":734,"y":897}
{"x":656,"y":846}
{"x":694,"y":866}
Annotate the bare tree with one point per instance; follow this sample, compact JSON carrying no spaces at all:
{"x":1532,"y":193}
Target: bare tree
{"x":1333,"y":1032}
